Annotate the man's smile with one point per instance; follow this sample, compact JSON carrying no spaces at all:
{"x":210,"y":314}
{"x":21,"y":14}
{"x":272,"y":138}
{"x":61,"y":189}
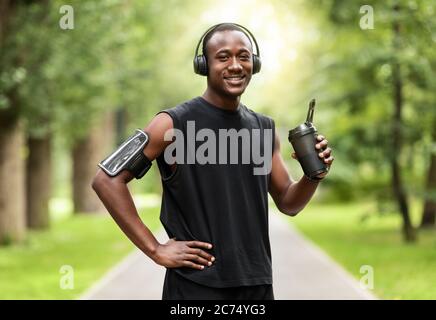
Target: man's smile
{"x":235,"y":79}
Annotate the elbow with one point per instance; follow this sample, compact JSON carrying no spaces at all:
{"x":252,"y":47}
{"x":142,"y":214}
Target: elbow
{"x":98,"y":181}
{"x":292,"y":212}
{"x":95,"y":183}
{"x":102,"y":181}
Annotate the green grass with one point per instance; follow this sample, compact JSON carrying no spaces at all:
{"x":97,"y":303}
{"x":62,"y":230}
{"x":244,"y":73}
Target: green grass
{"x":354,"y":236}
{"x":90,"y":244}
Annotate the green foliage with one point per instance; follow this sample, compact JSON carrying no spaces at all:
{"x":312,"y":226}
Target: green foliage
{"x":353,"y":71}
{"x":115,"y":58}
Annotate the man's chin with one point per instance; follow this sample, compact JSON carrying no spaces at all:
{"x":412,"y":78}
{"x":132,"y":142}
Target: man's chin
{"x":234,"y":92}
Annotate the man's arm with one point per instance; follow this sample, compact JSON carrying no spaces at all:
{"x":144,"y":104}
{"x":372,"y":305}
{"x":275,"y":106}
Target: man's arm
{"x":115,"y":195}
{"x":292,"y":196}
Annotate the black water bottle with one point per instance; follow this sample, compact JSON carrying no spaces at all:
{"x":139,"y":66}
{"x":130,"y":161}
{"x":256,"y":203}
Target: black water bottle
{"x":303,"y":140}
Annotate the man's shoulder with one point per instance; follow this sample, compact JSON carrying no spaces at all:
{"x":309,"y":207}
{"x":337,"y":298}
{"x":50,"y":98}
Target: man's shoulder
{"x":258,"y":115}
{"x":181,"y":112}
{"x":183,"y":107}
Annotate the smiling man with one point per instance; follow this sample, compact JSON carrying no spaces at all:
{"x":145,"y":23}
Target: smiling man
{"x":230,"y":67}
{"x":214,"y":202}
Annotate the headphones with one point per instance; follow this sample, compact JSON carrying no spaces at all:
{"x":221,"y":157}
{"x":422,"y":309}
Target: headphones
{"x":200,"y":62}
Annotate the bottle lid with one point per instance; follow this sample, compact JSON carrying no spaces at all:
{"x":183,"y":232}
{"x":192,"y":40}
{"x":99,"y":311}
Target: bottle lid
{"x":301,"y":130}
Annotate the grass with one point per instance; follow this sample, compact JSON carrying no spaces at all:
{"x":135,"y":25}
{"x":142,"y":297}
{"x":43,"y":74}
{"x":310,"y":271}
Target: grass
{"x":354,"y":236}
{"x":90,"y":244}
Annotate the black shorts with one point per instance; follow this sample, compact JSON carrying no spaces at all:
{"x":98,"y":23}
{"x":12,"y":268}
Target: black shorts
{"x":177,"y":287}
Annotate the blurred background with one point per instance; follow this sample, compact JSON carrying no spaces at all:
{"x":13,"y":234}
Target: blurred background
{"x":77,"y":78}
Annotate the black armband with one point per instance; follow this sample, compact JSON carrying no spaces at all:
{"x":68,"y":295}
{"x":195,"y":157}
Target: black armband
{"x":129,"y":156}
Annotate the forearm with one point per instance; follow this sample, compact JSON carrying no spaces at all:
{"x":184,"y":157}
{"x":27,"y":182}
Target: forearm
{"x":297,"y":195}
{"x":118,"y":201}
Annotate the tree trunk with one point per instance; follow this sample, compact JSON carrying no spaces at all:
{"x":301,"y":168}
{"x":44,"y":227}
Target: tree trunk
{"x":38,"y":182}
{"x":87,"y":153}
{"x":429,"y":212}
{"x":12,"y":196}
{"x":397,"y":142}
{"x":120,"y":125}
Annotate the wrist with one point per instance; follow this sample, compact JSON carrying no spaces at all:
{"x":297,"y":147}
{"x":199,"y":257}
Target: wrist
{"x":314,"y":179}
{"x":152,"y":252}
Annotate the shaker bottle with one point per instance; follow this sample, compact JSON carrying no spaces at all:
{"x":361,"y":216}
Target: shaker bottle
{"x":303,"y":140}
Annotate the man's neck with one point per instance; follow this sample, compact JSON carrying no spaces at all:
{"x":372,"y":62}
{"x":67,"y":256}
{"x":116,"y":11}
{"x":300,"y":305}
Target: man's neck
{"x":226,"y":103}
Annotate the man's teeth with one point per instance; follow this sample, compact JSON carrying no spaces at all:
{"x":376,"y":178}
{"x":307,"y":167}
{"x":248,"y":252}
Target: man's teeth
{"x":235,"y":77}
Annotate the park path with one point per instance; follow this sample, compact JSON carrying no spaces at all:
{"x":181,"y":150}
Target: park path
{"x":300,"y":271}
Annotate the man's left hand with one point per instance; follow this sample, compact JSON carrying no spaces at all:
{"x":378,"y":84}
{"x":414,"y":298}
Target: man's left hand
{"x":324,"y":153}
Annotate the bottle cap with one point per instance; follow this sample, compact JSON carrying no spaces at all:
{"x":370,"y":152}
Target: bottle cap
{"x":301,"y":130}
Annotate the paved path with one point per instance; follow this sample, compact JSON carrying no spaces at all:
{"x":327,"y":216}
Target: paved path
{"x":300,"y":270}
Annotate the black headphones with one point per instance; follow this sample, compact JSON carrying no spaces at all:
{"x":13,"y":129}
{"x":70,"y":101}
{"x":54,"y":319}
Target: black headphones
{"x":200,"y":62}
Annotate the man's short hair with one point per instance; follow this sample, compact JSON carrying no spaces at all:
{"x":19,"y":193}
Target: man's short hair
{"x":222,"y":27}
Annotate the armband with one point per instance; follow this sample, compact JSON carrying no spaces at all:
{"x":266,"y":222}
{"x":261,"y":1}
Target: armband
{"x":128,"y":156}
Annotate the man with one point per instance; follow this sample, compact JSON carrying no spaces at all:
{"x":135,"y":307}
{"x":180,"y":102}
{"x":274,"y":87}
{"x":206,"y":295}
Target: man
{"x":215,"y":203}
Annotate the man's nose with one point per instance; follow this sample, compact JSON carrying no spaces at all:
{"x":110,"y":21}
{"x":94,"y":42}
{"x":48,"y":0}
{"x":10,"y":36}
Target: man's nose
{"x":235,"y":65}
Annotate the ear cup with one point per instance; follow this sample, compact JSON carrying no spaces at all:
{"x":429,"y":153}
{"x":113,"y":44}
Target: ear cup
{"x":257,"y":63}
{"x":195,"y":63}
{"x":200,"y":65}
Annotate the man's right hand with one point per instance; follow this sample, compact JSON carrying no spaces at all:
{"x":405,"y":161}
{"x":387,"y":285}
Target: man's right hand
{"x":176,"y":254}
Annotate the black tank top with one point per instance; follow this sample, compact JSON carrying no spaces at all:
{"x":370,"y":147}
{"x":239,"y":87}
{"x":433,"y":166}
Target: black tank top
{"x":221,"y":201}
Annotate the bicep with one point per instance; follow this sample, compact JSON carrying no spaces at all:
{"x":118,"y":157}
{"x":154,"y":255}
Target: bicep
{"x":160,"y":125}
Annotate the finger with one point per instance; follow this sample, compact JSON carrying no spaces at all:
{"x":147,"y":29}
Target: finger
{"x":201,"y":253}
{"x":325,"y":154}
{"x":329,"y":160}
{"x":198,"y":259}
{"x":193,"y":265}
{"x":320,"y":137}
{"x":199,"y":244}
{"x":322,"y":144}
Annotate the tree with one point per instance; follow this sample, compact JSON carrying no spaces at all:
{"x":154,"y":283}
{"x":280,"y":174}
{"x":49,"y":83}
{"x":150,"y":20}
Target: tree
{"x":37,"y":110}
{"x":12,"y":191}
{"x":377,"y":78}
{"x":428,"y":219}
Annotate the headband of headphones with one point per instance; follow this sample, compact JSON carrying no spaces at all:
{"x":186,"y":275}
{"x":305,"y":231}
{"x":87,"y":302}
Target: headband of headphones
{"x":235,"y":24}
{"x":200,"y":61}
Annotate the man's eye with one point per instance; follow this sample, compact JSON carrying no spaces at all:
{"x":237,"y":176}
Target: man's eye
{"x":222,"y":58}
{"x":245,"y":58}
